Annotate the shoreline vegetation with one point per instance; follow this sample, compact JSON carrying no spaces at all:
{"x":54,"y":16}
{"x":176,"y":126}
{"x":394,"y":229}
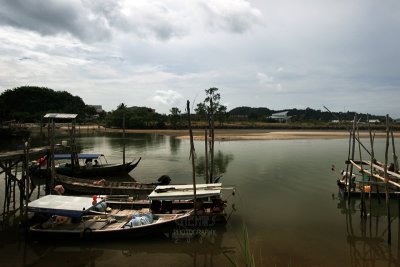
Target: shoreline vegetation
{"x":233,"y":134}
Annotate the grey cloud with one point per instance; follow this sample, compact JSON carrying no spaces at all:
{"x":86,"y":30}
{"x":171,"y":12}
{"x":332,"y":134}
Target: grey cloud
{"x":233,"y":16}
{"x":91,"y":20}
{"x":54,"y":17}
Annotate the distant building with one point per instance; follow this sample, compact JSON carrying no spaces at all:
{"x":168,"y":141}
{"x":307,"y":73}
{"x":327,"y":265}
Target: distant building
{"x":335,"y":121}
{"x":374,"y":121}
{"x":98,"y":108}
{"x":280,"y":116}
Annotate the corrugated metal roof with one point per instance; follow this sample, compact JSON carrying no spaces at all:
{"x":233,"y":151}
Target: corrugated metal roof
{"x":60,"y":116}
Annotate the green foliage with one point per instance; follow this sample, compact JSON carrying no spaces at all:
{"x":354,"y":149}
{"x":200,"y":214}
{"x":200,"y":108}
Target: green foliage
{"x":135,"y":118}
{"x":30,"y":103}
{"x":297,"y":115}
{"x":175,"y":117}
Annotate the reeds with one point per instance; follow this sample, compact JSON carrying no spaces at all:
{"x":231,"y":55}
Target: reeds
{"x":247,"y":254}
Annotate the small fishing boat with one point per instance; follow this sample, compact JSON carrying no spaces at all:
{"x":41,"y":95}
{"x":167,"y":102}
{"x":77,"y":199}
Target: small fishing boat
{"x":74,"y":185}
{"x":87,"y":168}
{"x":70,"y":217}
{"x":92,"y":170}
{"x":209,"y":206}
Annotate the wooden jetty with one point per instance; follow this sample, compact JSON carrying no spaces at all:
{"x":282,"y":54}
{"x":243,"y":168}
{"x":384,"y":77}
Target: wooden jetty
{"x":15,"y":167}
{"x":378,"y":178}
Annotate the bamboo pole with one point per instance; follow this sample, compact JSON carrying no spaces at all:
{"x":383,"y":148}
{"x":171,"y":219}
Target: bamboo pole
{"x":27,"y":185}
{"x":53,"y":167}
{"x":352,"y":155}
{"x":372,"y":139}
{"x":6,"y":189}
{"x":386,"y":181}
{"x":123,"y":138}
{"x":212,"y":139}
{"x":192,"y":155}
{"x":374,"y":174}
{"x":206,"y":153}
{"x":363,"y":208}
{"x":395,"y":159}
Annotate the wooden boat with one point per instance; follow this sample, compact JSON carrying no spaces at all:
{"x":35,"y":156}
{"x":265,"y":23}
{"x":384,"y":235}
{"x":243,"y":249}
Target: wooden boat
{"x":94,"y":170}
{"x":210,"y":207}
{"x":74,"y":185}
{"x":69,"y":217}
{"x":374,"y":187}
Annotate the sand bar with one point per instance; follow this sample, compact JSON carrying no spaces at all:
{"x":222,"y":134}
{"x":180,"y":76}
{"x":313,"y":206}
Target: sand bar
{"x":256,"y":134}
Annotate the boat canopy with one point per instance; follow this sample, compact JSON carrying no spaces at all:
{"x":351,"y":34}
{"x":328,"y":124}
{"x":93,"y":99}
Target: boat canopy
{"x":185,"y":192}
{"x":70,"y":206}
{"x":80,"y":156}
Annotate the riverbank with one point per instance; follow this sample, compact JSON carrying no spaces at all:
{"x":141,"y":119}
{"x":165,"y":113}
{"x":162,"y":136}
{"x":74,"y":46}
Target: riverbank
{"x":234,"y":134}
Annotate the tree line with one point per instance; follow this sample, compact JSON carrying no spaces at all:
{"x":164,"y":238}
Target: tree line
{"x":29,"y":103}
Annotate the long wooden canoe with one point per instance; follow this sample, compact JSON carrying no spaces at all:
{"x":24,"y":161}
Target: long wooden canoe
{"x":73,"y":185}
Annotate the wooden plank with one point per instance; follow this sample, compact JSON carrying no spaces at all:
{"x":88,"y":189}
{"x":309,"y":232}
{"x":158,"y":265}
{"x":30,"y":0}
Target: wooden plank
{"x":373,"y":174}
{"x":382,"y":169}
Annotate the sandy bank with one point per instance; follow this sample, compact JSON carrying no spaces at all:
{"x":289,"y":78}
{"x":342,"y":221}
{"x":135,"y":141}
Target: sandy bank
{"x":230,"y":135}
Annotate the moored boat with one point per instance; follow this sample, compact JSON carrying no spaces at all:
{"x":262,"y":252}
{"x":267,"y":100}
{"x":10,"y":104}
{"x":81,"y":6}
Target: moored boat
{"x":69,"y":217}
{"x":74,"y":185}
{"x":87,"y":170}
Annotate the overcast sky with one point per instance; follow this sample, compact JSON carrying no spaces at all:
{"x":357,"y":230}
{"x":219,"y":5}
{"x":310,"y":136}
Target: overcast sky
{"x":343,"y":54}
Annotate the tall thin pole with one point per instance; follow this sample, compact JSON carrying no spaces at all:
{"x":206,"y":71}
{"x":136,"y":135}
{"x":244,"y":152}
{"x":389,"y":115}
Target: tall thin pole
{"x":123,"y":138}
{"x":212,"y":140}
{"x":363,"y":208}
{"x":53,"y":166}
{"x":395,"y":159}
{"x":27,"y":185}
{"x":352,"y":155}
{"x":206,"y":153}
{"x":192,"y":155}
{"x":386,"y":181}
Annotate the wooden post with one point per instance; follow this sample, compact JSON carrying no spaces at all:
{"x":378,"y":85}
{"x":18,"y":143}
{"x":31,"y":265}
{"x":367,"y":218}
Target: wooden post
{"x":386,"y":181}
{"x":27,"y":178}
{"x":371,"y":140}
{"x":395,"y":159}
{"x":363,"y":208}
{"x":53,"y":165}
{"x":6,"y":189}
{"x":206,"y":153}
{"x":123,"y":138}
{"x":212,"y":140}
{"x":352,"y":155}
{"x":192,"y":155}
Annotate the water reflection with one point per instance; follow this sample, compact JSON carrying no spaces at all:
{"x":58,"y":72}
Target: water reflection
{"x":201,"y":249}
{"x":221,"y":162}
{"x":367,"y":238}
{"x":174,"y":145}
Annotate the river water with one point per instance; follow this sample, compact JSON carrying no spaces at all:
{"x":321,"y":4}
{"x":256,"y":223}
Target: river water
{"x":286,"y":197}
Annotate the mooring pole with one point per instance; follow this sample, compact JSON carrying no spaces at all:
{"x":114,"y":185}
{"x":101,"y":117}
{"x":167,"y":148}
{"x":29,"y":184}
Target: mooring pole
{"x":123,"y":138}
{"x":192,"y":155}
{"x":27,"y":185}
{"x":386,"y":181}
{"x":363,"y":208}
{"x":53,"y":165}
{"x":352,"y":156}
{"x":206,"y":153}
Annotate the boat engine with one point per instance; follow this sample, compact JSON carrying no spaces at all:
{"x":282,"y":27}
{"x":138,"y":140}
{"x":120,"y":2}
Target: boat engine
{"x":164,"y":180}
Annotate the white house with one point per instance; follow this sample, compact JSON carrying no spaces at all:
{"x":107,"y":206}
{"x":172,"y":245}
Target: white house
{"x":280,"y":116}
